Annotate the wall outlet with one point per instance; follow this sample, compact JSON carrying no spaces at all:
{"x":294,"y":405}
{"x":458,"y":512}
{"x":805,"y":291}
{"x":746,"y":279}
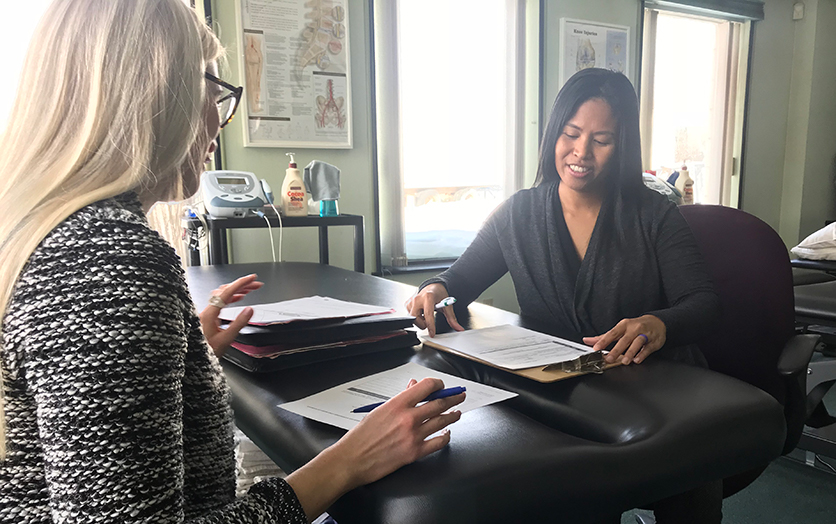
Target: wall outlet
{"x":798,"y":11}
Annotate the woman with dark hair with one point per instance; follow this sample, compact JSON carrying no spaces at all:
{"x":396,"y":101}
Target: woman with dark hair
{"x":594,"y":254}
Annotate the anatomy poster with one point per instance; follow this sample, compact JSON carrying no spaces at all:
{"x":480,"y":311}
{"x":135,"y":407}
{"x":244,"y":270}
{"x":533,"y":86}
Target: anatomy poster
{"x":296,"y":74}
{"x":591,"y":44}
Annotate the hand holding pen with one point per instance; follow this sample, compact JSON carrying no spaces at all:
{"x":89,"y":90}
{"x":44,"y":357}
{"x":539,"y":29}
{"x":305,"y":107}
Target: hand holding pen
{"x":441,"y":393}
{"x":423,"y":305}
{"x":401,"y":431}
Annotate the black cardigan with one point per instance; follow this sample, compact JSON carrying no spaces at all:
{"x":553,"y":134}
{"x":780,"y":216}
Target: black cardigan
{"x":641,"y":260}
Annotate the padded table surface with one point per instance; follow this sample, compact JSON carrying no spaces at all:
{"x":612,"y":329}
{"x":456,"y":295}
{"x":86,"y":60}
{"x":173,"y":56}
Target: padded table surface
{"x":574,"y":450}
{"x":816,"y":303}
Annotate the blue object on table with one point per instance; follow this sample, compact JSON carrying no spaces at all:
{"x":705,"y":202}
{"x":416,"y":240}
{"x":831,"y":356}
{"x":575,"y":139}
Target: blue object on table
{"x":329,"y":208}
{"x":441,"y":393}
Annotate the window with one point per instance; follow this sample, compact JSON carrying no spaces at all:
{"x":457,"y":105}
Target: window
{"x":447,"y":128}
{"x":694,"y":65}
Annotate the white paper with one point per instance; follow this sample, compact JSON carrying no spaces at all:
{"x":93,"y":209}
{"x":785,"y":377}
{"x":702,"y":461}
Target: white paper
{"x":333,"y":406}
{"x":308,"y":308}
{"x":512,"y":347}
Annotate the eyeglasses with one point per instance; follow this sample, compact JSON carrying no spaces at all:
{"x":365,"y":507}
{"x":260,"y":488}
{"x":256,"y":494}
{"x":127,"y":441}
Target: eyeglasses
{"x":228,"y":102}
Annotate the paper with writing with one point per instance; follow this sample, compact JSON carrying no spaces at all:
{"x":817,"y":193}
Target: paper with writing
{"x":512,"y":347}
{"x":333,"y":406}
{"x":308,"y":308}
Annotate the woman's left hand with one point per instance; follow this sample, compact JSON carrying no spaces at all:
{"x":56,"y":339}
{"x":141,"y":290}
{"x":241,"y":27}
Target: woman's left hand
{"x":220,"y":339}
{"x":634,"y":338}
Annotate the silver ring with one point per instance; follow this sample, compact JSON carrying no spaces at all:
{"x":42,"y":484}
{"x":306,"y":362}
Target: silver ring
{"x":217,"y":301}
{"x":645,"y":338}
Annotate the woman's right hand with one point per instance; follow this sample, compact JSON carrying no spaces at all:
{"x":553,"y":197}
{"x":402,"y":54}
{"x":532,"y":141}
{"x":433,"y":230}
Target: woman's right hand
{"x":422,"y":307}
{"x":391,"y":436}
{"x":395,"y":434}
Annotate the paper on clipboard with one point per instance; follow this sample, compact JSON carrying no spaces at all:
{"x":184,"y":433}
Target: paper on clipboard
{"x":512,"y":347}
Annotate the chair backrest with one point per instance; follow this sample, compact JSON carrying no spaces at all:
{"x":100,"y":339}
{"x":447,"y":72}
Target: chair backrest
{"x":751,"y":270}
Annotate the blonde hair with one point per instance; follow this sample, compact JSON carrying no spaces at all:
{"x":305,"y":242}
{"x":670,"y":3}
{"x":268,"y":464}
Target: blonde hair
{"x":110,"y":99}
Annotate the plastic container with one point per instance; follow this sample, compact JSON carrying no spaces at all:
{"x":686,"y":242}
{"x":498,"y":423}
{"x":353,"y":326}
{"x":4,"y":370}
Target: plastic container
{"x":329,"y":208}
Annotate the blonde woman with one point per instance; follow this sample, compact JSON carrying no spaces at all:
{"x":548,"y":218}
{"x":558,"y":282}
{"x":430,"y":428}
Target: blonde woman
{"x":114,"y":407}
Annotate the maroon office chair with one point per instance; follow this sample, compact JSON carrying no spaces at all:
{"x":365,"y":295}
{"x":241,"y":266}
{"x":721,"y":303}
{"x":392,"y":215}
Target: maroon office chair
{"x":756,"y":341}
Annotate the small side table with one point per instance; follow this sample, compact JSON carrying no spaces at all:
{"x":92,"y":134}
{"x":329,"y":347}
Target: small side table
{"x":219,"y":251}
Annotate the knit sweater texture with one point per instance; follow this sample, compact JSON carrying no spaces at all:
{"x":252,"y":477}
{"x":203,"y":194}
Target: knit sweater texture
{"x":642,"y":259}
{"x":116,"y":409}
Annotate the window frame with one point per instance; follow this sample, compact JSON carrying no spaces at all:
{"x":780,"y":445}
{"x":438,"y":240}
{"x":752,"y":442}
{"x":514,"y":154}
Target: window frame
{"x":390,"y":237}
{"x":734,"y":82}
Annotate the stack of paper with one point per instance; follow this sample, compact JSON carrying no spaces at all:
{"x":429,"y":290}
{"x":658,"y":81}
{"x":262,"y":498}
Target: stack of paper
{"x":313,"y":329}
{"x":305,"y":309}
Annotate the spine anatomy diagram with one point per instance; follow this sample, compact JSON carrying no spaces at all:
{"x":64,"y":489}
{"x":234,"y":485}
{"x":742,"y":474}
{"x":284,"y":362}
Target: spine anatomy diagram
{"x":330,"y":111}
{"x":322,"y":35}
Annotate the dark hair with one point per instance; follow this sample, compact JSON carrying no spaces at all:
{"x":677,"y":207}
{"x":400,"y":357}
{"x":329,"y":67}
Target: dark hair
{"x":625,"y":175}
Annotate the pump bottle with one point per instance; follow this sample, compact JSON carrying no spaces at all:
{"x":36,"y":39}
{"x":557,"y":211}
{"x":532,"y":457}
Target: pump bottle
{"x":687,"y":185}
{"x":294,"y":199}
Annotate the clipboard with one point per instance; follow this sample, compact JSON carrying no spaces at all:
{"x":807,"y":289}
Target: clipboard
{"x":583,"y":365}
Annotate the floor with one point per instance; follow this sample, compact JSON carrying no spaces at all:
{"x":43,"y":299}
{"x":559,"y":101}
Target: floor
{"x":788,"y":492}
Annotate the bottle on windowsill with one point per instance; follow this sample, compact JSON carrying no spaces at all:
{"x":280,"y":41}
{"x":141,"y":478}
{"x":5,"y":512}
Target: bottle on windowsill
{"x":687,"y":186}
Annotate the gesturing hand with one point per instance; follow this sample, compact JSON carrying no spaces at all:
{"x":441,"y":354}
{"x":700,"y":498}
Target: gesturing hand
{"x":220,"y":339}
{"x":634,"y":338}
{"x":422,"y":307}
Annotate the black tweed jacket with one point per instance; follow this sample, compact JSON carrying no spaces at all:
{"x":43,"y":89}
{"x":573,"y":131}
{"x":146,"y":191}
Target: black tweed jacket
{"x":116,"y":409}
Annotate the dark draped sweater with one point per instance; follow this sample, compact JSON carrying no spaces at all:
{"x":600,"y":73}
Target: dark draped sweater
{"x":642,"y":259}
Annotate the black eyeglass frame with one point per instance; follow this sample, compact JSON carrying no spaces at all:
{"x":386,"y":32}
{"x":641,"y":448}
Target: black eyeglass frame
{"x":236,"y":93}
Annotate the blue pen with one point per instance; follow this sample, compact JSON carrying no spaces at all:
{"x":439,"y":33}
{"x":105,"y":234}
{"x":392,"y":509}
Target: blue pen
{"x":441,"y":393}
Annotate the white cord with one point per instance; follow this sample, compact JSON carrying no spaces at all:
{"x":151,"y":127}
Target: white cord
{"x":279,"y":216}
{"x":270,"y":232}
{"x":829,"y":466}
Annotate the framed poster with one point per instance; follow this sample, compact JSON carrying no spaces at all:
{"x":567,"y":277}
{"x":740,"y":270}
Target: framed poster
{"x":296,"y":73}
{"x":586,"y":44}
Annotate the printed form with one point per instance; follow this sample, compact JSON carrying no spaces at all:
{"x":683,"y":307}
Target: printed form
{"x":308,"y":308}
{"x":333,"y":406}
{"x":511,"y":347}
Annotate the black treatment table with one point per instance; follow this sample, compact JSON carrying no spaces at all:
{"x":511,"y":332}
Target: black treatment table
{"x":571,"y":451}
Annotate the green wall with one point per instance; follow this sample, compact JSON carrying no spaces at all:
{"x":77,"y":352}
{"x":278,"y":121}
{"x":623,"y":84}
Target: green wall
{"x":790,"y":132}
{"x":357,"y":190}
